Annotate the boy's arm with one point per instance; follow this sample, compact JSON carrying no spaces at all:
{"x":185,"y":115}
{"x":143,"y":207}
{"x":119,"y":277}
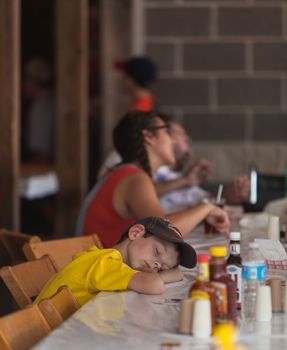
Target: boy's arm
{"x":172,"y":275}
{"x":153,"y":282}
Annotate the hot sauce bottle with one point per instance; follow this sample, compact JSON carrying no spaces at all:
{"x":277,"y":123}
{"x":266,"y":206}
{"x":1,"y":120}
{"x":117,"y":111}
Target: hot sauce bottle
{"x":202,"y":283}
{"x":225,"y":287}
{"x":234,"y":265}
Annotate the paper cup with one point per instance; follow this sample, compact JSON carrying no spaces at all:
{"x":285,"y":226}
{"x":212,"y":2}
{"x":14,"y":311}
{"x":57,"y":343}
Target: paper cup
{"x":276,"y":295}
{"x":201,"y":321}
{"x":185,"y":316}
{"x":263,"y":304}
{"x":273,"y":230}
{"x":285,"y":298}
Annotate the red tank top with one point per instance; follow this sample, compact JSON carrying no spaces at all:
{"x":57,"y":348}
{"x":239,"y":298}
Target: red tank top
{"x":100,"y":216}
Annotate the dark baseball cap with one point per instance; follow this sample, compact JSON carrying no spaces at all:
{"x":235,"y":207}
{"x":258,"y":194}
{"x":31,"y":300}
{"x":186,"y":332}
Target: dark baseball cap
{"x":164,"y":230}
{"x":141,"y":69}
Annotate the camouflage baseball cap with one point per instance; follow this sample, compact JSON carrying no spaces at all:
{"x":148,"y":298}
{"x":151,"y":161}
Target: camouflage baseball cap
{"x":164,"y":230}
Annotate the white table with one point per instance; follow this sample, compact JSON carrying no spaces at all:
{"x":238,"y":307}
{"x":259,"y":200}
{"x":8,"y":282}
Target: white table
{"x":129,"y":321}
{"x":38,"y":181}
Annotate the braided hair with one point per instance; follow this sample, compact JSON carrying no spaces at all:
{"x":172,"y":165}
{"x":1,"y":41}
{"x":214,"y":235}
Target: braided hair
{"x":128,"y":137}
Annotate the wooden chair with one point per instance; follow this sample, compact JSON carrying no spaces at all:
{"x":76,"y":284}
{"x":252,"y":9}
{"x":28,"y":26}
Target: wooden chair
{"x":22,"y":329}
{"x":59,"y":306}
{"x":62,"y":250}
{"x":11,"y":243}
{"x":26,"y":280}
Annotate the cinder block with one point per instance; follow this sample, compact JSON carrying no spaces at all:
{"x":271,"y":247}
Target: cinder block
{"x":169,"y":21}
{"x":270,"y":56}
{"x":214,"y":56}
{"x":215,"y":126}
{"x":163,"y":55}
{"x":270,"y":127}
{"x":182,"y":92}
{"x":249,"y":92}
{"x":256,"y":21}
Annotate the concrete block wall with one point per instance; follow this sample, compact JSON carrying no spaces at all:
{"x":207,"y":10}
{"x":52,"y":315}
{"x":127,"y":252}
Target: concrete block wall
{"x":223,"y":74}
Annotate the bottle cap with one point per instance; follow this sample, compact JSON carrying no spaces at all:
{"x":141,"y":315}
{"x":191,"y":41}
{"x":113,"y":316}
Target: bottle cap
{"x":202,"y":257}
{"x":218,"y":251}
{"x":253,"y":245}
{"x":235,"y":236}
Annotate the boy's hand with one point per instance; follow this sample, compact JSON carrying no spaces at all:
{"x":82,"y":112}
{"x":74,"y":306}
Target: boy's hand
{"x":171,"y":275}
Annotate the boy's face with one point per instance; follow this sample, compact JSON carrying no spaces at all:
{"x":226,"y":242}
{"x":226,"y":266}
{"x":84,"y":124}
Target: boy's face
{"x":151,"y":254}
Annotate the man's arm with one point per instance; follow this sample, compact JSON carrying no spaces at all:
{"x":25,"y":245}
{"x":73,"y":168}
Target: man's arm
{"x":197,"y":174}
{"x":153,"y":282}
{"x":238,"y":191}
{"x":163,"y":187}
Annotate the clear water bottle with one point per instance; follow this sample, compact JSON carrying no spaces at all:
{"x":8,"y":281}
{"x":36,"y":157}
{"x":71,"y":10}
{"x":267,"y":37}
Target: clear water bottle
{"x":253,"y":275}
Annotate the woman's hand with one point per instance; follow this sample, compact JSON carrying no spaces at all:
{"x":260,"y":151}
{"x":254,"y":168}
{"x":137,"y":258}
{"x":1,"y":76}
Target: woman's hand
{"x":218,"y":218}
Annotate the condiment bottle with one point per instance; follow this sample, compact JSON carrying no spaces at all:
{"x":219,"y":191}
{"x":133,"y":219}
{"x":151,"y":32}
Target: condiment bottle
{"x":225,"y":297}
{"x":234,"y":265}
{"x":202,"y":283}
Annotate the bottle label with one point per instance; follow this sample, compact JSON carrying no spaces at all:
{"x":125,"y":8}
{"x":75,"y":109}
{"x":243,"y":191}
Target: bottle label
{"x":199,"y":294}
{"x":202,"y":271}
{"x":254,"y":272}
{"x":235,"y":248}
{"x":221,"y":304}
{"x":235,"y":274}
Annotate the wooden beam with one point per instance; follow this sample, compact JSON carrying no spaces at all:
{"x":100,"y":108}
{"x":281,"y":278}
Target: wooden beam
{"x":114,"y":45}
{"x":9,"y":112}
{"x":72,"y":109}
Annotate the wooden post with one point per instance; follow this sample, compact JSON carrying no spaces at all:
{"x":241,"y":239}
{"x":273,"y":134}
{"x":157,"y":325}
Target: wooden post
{"x":114,"y":45}
{"x":71,"y":101}
{"x":9,"y":112}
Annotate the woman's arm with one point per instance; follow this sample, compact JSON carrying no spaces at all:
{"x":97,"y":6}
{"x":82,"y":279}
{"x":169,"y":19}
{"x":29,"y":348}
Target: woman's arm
{"x":136,"y":196}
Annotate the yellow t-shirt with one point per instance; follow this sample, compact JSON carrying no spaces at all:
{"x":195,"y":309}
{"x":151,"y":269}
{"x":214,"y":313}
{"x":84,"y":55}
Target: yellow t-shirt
{"x":89,"y":273}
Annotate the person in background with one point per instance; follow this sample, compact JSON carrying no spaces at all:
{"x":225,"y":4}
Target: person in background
{"x":139,"y":73}
{"x":39,"y":119}
{"x":179,"y":187}
{"x":146,"y":257}
{"x":127,"y":193}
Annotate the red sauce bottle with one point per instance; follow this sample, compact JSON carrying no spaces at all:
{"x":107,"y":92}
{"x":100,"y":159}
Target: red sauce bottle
{"x":225,"y":297}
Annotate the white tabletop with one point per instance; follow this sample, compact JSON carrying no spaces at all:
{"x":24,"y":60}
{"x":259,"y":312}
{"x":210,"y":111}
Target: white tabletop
{"x":129,"y":320}
{"x":38,"y":181}
{"x":39,"y":186}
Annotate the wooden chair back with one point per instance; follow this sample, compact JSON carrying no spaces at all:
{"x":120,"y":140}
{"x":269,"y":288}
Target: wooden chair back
{"x":26,"y":280}
{"x":59,"y":306}
{"x":61,"y":250}
{"x":22,"y":329}
{"x":12,"y":242}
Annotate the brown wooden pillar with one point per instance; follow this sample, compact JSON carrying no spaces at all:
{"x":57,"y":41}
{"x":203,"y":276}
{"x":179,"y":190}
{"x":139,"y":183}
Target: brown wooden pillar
{"x":9,"y":112}
{"x":72,"y":109}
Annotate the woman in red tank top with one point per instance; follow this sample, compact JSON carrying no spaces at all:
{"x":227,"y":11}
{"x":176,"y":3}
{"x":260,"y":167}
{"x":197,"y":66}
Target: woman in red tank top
{"x":127,"y":192}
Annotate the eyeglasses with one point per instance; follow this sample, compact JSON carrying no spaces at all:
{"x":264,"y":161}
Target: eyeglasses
{"x":166,"y":126}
